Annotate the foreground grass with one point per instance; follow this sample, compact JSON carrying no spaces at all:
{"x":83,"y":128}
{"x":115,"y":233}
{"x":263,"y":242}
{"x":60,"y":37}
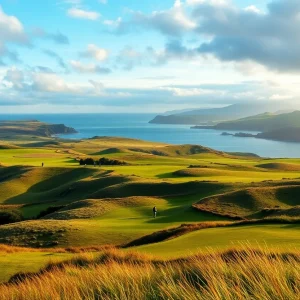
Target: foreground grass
{"x":246,"y":273}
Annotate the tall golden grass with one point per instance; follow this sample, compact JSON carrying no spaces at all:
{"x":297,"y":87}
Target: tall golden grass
{"x":241,"y":273}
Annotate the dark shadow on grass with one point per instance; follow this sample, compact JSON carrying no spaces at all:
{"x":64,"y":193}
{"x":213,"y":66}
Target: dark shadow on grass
{"x":167,"y":175}
{"x":185,"y":215}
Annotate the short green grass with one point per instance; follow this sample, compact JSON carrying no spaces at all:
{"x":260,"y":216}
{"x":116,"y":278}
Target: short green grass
{"x":13,"y":263}
{"x":278,"y":236}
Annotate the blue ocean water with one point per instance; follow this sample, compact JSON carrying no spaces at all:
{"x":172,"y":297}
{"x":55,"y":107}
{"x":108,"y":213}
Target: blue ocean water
{"x":137,"y":126}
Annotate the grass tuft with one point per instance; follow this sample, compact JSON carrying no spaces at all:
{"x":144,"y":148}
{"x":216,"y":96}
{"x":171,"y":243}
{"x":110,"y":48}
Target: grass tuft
{"x":244,"y":273}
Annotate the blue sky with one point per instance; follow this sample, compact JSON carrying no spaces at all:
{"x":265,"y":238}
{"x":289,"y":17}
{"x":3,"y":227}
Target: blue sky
{"x":146,"y":56}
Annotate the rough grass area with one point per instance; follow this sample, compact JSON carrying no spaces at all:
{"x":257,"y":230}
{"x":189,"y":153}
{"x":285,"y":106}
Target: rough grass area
{"x":35,"y":233}
{"x":116,"y":275}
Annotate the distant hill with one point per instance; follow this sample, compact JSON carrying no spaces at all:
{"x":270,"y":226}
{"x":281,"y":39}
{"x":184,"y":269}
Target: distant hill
{"x":32,"y":127}
{"x":287,"y":134}
{"x":283,"y":127}
{"x":262,"y":122}
{"x":213,"y":115}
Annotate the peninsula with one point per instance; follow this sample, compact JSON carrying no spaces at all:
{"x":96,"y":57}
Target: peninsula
{"x":33,"y":127}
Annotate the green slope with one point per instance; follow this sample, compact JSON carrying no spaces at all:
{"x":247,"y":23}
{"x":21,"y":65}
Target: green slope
{"x":251,"y":202}
{"x":279,"y":236}
{"x":263,"y":122}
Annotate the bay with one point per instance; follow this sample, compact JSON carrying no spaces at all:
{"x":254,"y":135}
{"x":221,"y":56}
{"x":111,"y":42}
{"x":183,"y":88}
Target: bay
{"x":137,"y":126}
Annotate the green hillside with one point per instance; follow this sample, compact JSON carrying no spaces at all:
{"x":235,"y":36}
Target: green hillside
{"x":262,"y":122}
{"x":200,"y":193}
{"x":286,"y":134}
{"x":252,"y":202}
{"x":222,"y":238}
{"x":32,"y":127}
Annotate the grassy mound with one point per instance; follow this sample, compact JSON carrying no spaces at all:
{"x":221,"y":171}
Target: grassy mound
{"x":35,"y":233}
{"x":140,"y":187}
{"x":246,"y":202}
{"x":87,"y":209}
{"x":183,"y":150}
{"x":110,"y":151}
{"x":280,"y":212}
{"x":198,"y":172}
{"x":280,"y":166}
{"x":28,"y":185}
{"x":4,"y":145}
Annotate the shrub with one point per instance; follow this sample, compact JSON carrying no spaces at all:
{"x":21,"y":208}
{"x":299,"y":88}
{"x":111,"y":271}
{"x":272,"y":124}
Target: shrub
{"x":110,"y":162}
{"x":10,"y":216}
{"x":87,"y":161}
{"x":49,"y":210}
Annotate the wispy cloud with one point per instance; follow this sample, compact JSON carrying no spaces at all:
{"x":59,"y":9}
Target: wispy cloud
{"x":58,"y":37}
{"x":58,"y":58}
{"x":95,"y":52}
{"x":89,"y":68}
{"x":83,"y":14}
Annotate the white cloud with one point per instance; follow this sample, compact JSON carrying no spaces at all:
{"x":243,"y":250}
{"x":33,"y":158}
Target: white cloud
{"x":171,"y":22}
{"x":95,"y":52}
{"x":211,"y":2}
{"x":14,"y":78}
{"x":11,"y":31}
{"x":50,"y":82}
{"x":113,"y":23}
{"x":88,"y":68}
{"x":254,"y":9}
{"x":83,"y":14}
{"x":191,"y":92}
{"x":281,"y":97}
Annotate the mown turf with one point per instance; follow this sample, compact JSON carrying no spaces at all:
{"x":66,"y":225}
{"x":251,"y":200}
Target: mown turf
{"x":12,"y":263}
{"x":278,"y":236}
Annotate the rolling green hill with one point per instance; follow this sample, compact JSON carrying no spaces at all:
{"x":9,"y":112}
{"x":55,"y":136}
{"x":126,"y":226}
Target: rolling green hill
{"x":252,"y":202}
{"x":65,"y":204}
{"x":200,"y":194}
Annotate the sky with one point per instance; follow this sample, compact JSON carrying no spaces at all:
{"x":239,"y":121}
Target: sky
{"x":88,"y":56}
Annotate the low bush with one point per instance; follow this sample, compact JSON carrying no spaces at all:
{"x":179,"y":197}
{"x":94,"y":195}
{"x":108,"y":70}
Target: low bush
{"x":101,"y":162}
{"x":10,"y":216}
{"x":49,"y":211}
{"x":110,"y":162}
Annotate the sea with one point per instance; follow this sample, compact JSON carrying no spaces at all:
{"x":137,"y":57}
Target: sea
{"x":137,"y":126}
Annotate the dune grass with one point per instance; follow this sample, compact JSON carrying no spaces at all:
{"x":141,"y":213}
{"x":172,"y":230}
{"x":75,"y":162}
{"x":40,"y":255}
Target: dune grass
{"x":246,"y":273}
